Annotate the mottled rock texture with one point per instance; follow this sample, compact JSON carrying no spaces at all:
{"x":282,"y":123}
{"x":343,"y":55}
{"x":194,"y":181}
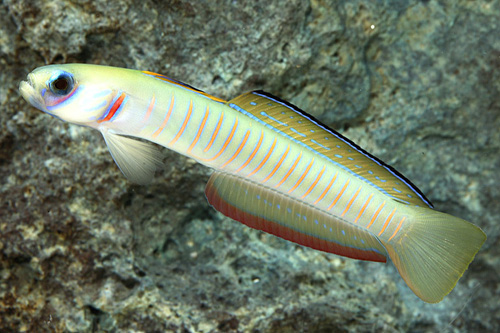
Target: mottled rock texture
{"x":83,"y":250}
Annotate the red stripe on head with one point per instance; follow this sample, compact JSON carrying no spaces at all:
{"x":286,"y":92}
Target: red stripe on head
{"x":116,"y":105}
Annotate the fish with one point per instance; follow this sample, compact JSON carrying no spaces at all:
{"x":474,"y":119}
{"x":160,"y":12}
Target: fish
{"x":276,"y":168}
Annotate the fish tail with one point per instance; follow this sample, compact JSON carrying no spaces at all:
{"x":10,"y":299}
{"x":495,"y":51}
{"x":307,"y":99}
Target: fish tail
{"x":432,"y":250}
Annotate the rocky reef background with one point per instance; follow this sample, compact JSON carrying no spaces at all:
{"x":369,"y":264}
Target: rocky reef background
{"x":417,"y":83}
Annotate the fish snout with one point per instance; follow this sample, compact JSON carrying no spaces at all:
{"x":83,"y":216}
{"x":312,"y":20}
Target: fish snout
{"x":29,"y":93}
{"x":31,"y":80}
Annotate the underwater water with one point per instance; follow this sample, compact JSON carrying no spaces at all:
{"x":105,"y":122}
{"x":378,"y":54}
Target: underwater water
{"x":82,"y":249}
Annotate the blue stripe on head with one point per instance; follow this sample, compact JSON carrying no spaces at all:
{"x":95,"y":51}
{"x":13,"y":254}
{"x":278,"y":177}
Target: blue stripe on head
{"x":67,"y":101}
{"x":96,"y":107}
{"x":103,"y":93}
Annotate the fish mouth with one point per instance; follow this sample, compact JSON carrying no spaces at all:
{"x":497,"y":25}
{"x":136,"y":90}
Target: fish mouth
{"x":30,"y":94}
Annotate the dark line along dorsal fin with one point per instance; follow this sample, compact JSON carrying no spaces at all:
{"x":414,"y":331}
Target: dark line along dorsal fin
{"x":268,"y":210}
{"x":290,"y":121}
{"x":183,"y":85}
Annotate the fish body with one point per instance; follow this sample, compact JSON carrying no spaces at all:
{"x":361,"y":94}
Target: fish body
{"x":276,"y":168}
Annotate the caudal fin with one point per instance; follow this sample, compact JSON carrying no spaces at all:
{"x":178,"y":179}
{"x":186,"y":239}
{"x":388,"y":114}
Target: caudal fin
{"x":433,"y":250}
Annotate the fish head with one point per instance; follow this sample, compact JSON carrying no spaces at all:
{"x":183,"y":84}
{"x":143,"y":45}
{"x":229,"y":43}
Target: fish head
{"x":71,"y":92}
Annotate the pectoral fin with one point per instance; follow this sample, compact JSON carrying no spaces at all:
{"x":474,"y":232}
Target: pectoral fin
{"x":136,"y":159}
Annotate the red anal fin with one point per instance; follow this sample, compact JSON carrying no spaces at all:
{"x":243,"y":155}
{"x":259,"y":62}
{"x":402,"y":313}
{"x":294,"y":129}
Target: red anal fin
{"x":270,"y":211}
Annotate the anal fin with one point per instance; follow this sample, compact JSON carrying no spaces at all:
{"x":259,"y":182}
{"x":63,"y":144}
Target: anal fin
{"x":268,"y":210}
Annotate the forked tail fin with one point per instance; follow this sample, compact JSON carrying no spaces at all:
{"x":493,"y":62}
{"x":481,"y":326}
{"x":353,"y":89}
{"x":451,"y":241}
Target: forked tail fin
{"x":432,"y":251}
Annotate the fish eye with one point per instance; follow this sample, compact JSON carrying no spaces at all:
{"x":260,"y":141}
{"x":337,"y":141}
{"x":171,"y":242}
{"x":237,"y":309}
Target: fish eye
{"x":62,"y":84}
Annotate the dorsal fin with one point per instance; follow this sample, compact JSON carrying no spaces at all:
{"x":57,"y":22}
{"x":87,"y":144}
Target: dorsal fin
{"x":290,"y":121}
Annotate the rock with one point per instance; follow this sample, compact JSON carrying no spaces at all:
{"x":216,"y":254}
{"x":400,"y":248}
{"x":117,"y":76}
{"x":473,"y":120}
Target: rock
{"x":84,"y":250}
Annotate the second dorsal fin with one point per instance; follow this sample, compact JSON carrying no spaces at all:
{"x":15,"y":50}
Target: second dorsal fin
{"x":288,"y":120}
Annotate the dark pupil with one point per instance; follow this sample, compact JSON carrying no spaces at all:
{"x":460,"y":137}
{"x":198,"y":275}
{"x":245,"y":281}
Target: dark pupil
{"x":61,"y":84}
